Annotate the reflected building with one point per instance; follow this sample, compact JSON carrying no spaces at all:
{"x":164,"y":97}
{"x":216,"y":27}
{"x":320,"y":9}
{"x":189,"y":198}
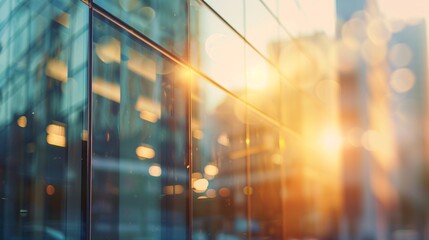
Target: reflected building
{"x":158,"y":119}
{"x":378,"y":71}
{"x":407,"y":61}
{"x":312,"y":173}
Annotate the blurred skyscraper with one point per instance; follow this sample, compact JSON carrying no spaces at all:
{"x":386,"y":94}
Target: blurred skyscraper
{"x":382,"y":75}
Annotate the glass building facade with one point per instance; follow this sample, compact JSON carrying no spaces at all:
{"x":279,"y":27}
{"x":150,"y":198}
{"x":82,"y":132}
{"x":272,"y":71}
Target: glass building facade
{"x":204,"y":119}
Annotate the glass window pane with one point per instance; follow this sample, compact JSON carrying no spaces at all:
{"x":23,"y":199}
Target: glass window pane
{"x":261,"y":28}
{"x":219,"y":164}
{"x":140,"y":174}
{"x":217,"y":51}
{"x":43,"y":79}
{"x":263,"y":84}
{"x":232,"y":11}
{"x":291,"y":109}
{"x":272,"y":6}
{"x":163,"y":21}
{"x":266,"y":190}
{"x":307,"y":17}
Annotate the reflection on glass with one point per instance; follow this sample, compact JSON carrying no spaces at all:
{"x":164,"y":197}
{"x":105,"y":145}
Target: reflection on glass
{"x":383,"y":94}
{"x":232,"y":11}
{"x":262,"y":29}
{"x":269,"y":158}
{"x":272,"y":6}
{"x":164,"y":22}
{"x":290,"y":106}
{"x":139,"y":141}
{"x":43,"y":69}
{"x":266,"y":189}
{"x":294,"y":184}
{"x":217,"y":51}
{"x":306,"y":17}
{"x":219,"y":164}
{"x":263,"y":84}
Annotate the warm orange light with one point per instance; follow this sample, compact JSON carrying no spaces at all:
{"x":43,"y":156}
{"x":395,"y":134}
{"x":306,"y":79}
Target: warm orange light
{"x":56,"y":140}
{"x":50,"y":190}
{"x":183,"y":75}
{"x":56,"y":135}
{"x":149,"y":116}
{"x":57,"y":70}
{"x":109,"y":90}
{"x":55,"y":129}
{"x":197,"y":175}
{"x":84,"y":135}
{"x":173,"y":189}
{"x":144,"y":152}
{"x":150,"y":110}
{"x":211,"y":170}
{"x":22,"y":121}
{"x":248,"y":190}
{"x":331,"y":141}
{"x":223,"y":139}
{"x":201,"y":184}
{"x":198,"y":134}
{"x":326,"y":90}
{"x":277,"y":158}
{"x":155,"y":170}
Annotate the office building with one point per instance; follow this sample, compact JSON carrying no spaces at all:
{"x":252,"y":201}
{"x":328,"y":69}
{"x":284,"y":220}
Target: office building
{"x":185,"y":119}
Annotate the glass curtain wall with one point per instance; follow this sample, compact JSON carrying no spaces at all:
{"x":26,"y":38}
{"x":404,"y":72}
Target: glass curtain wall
{"x":43,"y":118}
{"x":139,"y":157}
{"x":205,"y":119}
{"x":181,"y":113}
{"x":186,"y":131}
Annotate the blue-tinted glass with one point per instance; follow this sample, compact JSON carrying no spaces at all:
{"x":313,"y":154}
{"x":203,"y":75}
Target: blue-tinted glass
{"x":140,"y":174}
{"x":219,"y":164}
{"x":163,"y":21}
{"x":43,"y":78}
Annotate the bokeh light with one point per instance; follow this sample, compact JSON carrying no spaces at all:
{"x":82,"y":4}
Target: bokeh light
{"x":155,"y":170}
{"x":402,"y":80}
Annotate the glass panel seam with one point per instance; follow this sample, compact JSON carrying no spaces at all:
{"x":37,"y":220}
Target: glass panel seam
{"x":88,"y":165}
{"x":165,"y":53}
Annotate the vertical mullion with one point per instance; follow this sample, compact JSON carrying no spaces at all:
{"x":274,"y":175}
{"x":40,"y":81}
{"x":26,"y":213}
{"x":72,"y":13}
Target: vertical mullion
{"x":87,"y":165}
{"x":247,"y":130}
{"x":189,"y":89}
